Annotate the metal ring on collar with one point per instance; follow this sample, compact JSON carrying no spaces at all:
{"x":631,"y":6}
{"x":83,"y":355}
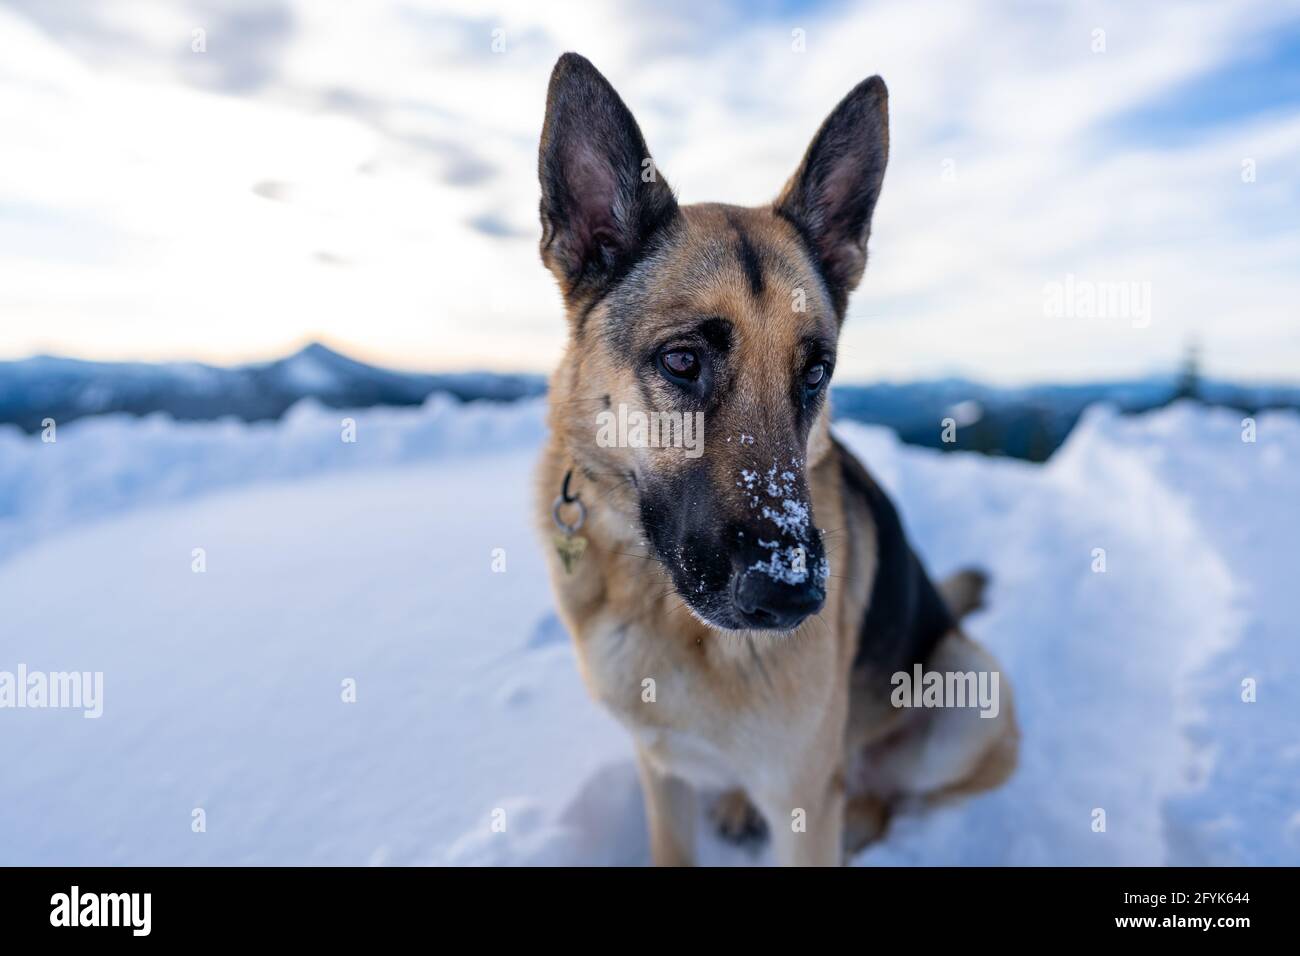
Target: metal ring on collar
{"x":560,"y":522}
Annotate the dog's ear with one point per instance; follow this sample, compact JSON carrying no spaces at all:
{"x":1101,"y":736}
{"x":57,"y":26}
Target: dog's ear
{"x":832,"y":195}
{"x":602,"y":197}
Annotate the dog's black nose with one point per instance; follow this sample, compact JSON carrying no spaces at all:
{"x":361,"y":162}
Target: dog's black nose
{"x":764,"y":602}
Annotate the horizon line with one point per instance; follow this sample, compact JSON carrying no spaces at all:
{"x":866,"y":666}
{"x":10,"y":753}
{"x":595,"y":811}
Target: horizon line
{"x":359,"y":357}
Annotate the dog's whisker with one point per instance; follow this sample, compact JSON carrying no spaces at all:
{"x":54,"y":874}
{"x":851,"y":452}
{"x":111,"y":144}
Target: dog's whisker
{"x":574,"y":401}
{"x":629,"y":554}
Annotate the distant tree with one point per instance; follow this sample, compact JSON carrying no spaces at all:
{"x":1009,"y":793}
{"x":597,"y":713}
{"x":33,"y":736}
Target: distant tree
{"x":1189,"y":375}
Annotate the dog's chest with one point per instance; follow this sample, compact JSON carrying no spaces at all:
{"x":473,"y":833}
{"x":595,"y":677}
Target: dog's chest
{"x":705,"y":708}
{"x":663,"y":690}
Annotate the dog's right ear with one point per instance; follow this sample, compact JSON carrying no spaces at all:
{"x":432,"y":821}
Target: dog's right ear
{"x":603,"y":199}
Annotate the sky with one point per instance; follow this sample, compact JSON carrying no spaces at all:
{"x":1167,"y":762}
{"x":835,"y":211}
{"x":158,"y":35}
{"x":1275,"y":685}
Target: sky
{"x":1075,"y":190}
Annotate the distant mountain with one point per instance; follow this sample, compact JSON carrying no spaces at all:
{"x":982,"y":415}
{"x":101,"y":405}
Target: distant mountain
{"x":66,"y":389}
{"x":1029,"y":422}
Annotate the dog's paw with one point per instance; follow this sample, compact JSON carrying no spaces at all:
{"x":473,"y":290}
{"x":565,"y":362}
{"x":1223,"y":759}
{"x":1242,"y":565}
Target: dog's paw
{"x":737,"y":820}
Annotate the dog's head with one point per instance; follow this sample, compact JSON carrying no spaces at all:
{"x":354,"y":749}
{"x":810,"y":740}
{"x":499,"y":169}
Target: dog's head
{"x":705,"y":315}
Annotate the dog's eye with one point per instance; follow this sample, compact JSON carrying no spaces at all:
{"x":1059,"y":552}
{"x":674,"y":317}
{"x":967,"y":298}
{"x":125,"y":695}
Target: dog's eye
{"x":681,"y":364}
{"x":813,"y":378}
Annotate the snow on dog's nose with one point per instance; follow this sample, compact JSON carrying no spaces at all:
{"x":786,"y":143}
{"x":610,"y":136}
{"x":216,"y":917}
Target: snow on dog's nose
{"x":779,"y":585}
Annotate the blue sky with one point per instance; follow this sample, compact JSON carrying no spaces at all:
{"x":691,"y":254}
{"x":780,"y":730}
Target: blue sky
{"x":364,"y":174}
{"x":1259,"y":81}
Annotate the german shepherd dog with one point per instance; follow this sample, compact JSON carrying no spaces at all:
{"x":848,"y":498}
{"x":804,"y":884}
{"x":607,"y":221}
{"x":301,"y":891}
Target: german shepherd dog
{"x":752,"y":650}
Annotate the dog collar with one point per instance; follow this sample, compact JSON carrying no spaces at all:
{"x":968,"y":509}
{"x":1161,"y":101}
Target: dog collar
{"x":569,"y":545}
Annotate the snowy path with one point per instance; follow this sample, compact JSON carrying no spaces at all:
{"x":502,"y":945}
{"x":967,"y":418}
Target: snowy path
{"x":222,"y":689}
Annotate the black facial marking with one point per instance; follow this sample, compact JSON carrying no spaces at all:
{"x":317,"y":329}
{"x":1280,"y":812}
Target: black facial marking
{"x":816,"y":346}
{"x":676,"y":518}
{"x":749,"y":259}
{"x":717,"y":333}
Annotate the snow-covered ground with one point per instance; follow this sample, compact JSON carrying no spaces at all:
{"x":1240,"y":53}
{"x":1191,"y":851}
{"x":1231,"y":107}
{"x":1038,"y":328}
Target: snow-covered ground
{"x":373,"y":562}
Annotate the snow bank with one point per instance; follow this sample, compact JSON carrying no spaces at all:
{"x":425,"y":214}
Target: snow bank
{"x":223,"y":689}
{"x":99,"y":466}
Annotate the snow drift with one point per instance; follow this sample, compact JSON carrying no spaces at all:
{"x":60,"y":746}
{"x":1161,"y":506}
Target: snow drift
{"x":378,"y":565}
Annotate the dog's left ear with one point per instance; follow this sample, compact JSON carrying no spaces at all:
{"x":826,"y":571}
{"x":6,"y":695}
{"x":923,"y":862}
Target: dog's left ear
{"x":831,"y":197}
{"x":603,"y":199}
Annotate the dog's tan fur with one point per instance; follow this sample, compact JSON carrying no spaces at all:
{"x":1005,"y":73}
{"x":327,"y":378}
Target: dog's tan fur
{"x":789,"y":719}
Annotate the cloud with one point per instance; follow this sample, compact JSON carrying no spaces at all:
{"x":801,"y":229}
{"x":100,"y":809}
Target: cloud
{"x":396,"y":138}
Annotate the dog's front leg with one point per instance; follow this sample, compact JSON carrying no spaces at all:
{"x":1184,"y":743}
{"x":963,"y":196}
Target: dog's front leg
{"x":807,"y":823}
{"x":670,"y":813}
